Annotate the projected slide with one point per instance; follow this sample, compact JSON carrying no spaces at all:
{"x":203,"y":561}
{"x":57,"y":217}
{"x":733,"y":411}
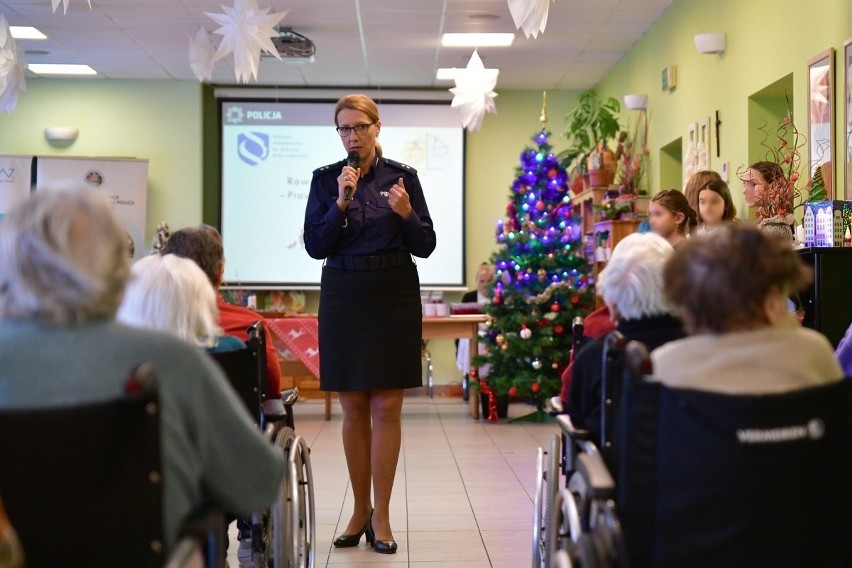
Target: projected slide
{"x":269,"y":152}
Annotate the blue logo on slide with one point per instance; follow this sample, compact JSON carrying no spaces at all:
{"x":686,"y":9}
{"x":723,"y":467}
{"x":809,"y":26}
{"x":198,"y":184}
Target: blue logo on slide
{"x":253,"y":147}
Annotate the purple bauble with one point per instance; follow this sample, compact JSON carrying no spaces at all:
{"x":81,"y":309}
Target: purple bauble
{"x":541,"y":138}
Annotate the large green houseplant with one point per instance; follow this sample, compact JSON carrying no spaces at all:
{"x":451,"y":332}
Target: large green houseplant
{"x":591,"y":122}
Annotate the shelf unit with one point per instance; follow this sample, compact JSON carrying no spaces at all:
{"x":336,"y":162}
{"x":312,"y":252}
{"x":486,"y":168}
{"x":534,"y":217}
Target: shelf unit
{"x":605,"y":236}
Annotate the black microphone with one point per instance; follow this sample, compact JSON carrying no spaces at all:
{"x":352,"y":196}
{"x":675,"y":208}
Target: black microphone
{"x":353,"y":160}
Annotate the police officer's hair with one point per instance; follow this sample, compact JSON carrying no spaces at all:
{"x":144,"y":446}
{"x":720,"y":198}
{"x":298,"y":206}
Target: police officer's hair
{"x":359,"y":102}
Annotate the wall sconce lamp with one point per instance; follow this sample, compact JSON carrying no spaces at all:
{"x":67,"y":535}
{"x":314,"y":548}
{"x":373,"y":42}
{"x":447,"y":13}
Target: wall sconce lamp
{"x":61,"y":134}
{"x":636,"y":102}
{"x":713,"y":42}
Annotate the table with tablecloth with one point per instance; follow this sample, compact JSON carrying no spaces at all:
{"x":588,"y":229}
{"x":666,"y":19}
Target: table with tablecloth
{"x":297,"y":339}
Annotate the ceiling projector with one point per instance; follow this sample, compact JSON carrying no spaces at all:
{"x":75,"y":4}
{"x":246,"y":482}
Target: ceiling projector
{"x":293,"y":47}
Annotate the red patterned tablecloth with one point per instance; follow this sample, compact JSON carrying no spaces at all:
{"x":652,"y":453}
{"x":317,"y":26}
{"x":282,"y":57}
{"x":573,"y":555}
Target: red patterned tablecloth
{"x":300,"y":337}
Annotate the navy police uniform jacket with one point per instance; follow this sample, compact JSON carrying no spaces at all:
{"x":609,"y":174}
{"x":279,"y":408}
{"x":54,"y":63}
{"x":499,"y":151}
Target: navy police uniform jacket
{"x":369,"y":226}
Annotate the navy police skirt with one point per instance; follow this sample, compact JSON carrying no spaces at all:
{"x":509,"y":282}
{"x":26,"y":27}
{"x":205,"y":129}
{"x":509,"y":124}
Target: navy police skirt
{"x":370,"y":328}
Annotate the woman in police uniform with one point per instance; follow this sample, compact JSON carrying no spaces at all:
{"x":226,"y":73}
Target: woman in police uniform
{"x":369,"y":311}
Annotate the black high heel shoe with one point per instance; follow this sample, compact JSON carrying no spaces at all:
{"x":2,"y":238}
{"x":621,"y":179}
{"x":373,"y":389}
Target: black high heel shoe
{"x":350,"y":540}
{"x":380,"y":546}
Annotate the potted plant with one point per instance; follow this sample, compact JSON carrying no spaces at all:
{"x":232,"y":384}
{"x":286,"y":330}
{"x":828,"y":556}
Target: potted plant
{"x":590,"y":125}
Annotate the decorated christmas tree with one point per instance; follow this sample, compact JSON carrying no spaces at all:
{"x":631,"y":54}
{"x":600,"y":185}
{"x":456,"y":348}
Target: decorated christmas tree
{"x":541,"y":281}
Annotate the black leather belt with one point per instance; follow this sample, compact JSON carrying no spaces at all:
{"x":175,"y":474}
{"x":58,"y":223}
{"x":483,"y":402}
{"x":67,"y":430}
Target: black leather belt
{"x":377,"y":262}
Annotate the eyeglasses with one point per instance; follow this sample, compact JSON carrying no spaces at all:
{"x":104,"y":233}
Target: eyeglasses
{"x":359,"y":129}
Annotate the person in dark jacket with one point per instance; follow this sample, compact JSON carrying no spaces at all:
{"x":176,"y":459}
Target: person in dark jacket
{"x":631,"y":286}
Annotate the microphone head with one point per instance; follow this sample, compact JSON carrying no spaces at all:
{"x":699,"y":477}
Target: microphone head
{"x":353,"y":160}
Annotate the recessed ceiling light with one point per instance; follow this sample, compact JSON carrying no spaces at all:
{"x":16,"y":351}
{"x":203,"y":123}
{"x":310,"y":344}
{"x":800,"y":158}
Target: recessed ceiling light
{"x":60,"y":69}
{"x":483,"y":17}
{"x":478,"y":40}
{"x":449,"y":73}
{"x":26,"y":32}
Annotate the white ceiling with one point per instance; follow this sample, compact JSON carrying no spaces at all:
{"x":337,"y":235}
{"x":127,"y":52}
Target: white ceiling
{"x":397,"y":43}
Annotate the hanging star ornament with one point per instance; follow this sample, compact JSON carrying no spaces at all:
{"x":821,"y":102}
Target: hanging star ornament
{"x":530,"y":15}
{"x":201,"y":55}
{"x":246,"y":30}
{"x":474,"y":92}
{"x":11,"y":68}
{"x":64,"y":5}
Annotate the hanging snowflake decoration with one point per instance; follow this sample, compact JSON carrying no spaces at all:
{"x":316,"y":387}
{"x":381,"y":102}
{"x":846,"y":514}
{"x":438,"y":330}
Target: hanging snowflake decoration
{"x":12,"y":64}
{"x":64,"y":5}
{"x":474,"y":92}
{"x":201,"y":55}
{"x":530,"y":15}
{"x":246,"y":30}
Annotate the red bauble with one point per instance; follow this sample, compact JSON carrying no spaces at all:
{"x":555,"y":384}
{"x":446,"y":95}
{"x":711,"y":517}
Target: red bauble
{"x":542,"y":323}
{"x":535,"y":387}
{"x":554,"y":307}
{"x":497,"y":300}
{"x":539,"y":206}
{"x":558,"y":329}
{"x":473,"y":373}
{"x":513,"y":391}
{"x":575,"y":299}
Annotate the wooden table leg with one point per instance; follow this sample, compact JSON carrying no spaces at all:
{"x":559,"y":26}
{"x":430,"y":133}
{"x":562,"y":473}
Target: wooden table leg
{"x":327,"y":405}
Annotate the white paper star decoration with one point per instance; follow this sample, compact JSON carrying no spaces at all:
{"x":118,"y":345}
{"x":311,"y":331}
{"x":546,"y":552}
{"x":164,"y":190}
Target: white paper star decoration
{"x":11,"y":68}
{"x":201,"y":54}
{"x":531,"y":15}
{"x":246,"y":30}
{"x":64,"y":5}
{"x":474,"y":92}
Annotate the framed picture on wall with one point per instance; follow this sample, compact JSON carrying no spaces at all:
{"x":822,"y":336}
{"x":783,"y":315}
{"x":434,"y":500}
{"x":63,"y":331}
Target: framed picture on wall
{"x":821,"y":115}
{"x":847,"y":117}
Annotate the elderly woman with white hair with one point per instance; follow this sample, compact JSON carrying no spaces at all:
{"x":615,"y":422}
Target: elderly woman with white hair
{"x":631,"y":286}
{"x":63,"y":268}
{"x":173,"y":294}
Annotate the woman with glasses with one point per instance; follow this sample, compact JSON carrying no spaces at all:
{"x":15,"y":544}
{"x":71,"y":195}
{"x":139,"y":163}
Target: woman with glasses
{"x":366,"y":217}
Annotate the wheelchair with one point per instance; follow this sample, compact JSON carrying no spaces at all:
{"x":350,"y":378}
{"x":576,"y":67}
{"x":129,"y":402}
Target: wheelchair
{"x":734,"y":480}
{"x":709,"y":479}
{"x":286,"y":533}
{"x":574,"y":522}
{"x":97,"y":501}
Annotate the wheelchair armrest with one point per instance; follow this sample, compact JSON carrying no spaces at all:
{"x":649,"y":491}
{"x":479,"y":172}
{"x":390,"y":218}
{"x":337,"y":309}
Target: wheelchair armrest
{"x":290,"y":396}
{"x":554,"y":406}
{"x":591,"y":466}
{"x":272,"y":408}
{"x":576,"y":434}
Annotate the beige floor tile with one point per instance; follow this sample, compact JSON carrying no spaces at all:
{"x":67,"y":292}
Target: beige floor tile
{"x":462,"y":496}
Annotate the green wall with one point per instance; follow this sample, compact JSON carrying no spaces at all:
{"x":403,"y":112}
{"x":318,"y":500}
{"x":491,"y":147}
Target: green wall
{"x":766,"y":41}
{"x":157,"y":120}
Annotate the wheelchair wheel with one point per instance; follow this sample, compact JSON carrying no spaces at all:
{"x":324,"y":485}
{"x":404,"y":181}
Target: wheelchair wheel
{"x":552,"y":475}
{"x":562,"y":560}
{"x":579,"y":489}
{"x":608,"y":536}
{"x":302,"y":513}
{"x":564,"y":523}
{"x":538,"y":512}
{"x":281,"y":530}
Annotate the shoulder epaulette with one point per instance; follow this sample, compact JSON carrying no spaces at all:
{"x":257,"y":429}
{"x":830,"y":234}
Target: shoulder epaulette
{"x":400,"y":165}
{"x":329,"y":168}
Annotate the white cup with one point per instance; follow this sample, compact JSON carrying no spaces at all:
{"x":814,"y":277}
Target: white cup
{"x":442,"y":310}
{"x":429,"y":310}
